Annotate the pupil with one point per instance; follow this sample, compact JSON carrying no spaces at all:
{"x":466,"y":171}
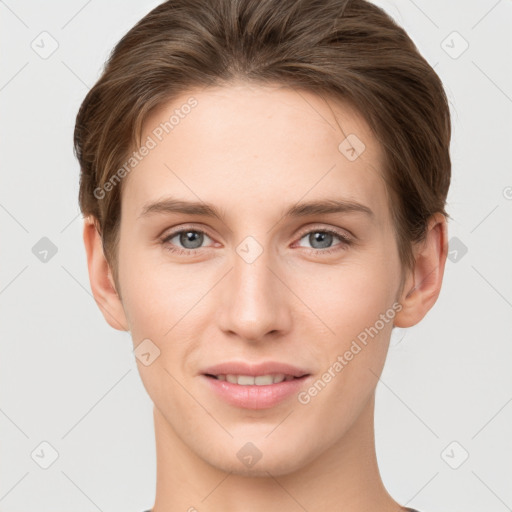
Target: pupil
{"x":191,"y":236}
{"x":323,"y":238}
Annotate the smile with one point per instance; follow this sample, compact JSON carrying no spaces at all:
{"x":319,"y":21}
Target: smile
{"x":258,"y":380}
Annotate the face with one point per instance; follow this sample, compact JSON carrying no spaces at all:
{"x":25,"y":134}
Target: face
{"x":270,"y":281}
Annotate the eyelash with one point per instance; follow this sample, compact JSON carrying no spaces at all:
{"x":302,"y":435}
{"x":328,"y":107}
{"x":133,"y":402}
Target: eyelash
{"x":345,"y":241}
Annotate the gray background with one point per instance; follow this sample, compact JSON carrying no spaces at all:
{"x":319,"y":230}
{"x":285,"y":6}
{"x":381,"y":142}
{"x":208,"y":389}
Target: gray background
{"x":68,"y":379}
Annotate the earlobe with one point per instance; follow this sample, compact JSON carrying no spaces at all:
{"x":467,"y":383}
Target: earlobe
{"x":423,"y":284}
{"x":100,"y":278}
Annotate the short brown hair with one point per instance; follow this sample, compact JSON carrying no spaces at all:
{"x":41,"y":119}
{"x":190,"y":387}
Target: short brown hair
{"x":346,"y":49}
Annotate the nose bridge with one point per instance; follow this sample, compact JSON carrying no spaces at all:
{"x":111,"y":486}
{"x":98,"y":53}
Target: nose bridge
{"x":254,"y":304}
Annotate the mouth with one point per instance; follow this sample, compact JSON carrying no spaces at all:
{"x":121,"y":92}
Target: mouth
{"x":255,"y":391}
{"x":256,"y":380}
{"x":260,"y":386}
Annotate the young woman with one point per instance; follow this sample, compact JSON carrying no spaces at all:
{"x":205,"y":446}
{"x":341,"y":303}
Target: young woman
{"x":264,"y":184}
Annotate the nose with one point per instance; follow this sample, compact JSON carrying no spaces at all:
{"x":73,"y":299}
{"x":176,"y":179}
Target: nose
{"x":254,"y":303}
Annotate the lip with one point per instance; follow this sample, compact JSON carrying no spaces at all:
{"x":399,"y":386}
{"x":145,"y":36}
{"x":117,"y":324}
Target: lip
{"x":264,"y":368}
{"x":253,"y":396}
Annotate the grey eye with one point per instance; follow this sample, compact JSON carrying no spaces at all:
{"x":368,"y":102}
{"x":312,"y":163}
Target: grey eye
{"x":188,"y":239}
{"x":191,"y":239}
{"x":320,"y":239}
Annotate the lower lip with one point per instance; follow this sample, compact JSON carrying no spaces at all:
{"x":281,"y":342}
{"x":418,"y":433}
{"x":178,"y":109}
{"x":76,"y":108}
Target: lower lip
{"x":253,"y":396}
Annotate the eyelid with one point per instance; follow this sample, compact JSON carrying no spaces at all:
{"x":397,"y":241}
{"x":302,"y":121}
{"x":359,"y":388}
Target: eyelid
{"x":184,"y":227}
{"x":329,"y":229}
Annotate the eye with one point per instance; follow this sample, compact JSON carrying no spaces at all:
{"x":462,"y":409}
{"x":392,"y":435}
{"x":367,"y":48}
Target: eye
{"x":321,"y":240}
{"x":190,"y":239}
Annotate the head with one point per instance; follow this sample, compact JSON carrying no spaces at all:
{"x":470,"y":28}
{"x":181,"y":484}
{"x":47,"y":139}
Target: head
{"x":251,"y":109}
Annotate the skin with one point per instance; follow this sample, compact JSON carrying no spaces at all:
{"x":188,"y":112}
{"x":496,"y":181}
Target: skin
{"x":253,"y":152}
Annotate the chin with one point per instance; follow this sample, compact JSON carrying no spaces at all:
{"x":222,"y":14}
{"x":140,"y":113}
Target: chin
{"x":258,"y":459}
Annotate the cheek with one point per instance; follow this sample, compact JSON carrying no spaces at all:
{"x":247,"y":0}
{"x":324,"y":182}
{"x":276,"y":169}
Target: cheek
{"x":352,"y":298}
{"x":166,"y":303}
{"x":148,"y":296}
{"x":358,"y":309}
{"x":357,"y":315}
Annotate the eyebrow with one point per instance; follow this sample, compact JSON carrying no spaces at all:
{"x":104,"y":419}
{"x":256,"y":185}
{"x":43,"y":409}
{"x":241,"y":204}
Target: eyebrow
{"x":320,"y":207}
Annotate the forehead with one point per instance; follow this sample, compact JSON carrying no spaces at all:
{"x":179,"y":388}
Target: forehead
{"x":252,"y":145}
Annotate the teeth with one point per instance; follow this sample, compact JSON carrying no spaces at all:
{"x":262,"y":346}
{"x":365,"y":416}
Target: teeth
{"x":260,"y":380}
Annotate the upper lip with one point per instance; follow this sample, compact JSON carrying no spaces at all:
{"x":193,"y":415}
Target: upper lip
{"x":264,"y":368}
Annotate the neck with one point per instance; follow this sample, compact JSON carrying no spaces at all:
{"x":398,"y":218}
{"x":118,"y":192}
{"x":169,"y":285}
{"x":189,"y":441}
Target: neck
{"x":345,"y":477}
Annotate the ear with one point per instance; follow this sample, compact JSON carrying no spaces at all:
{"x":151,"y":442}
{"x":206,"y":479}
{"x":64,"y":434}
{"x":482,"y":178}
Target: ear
{"x":100,"y":277}
{"x":423,"y":283}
